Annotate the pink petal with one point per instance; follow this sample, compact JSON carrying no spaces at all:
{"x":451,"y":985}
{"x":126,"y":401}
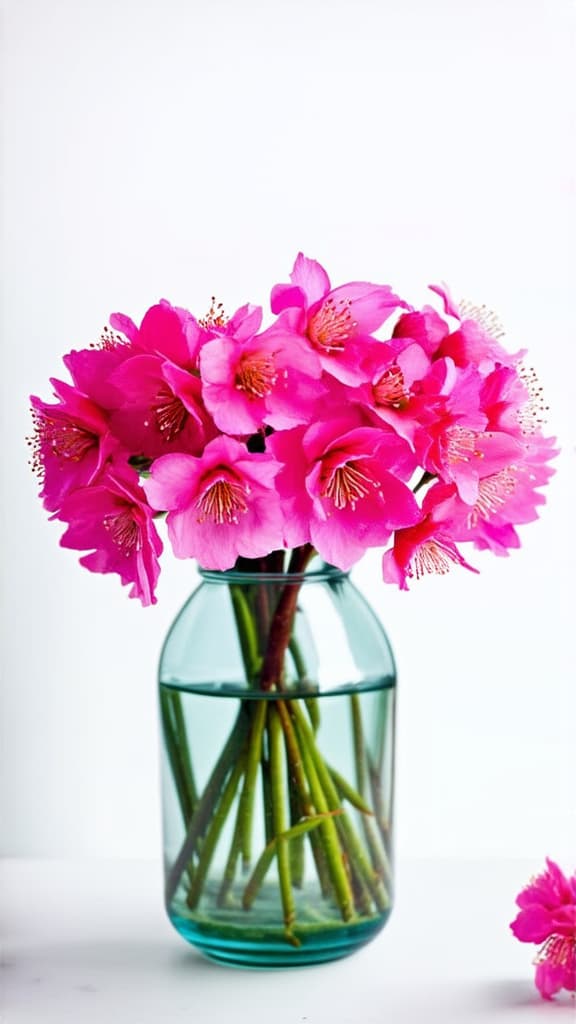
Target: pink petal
{"x":123,"y":324}
{"x":371,"y":304}
{"x":172,"y":482}
{"x":286,"y":296}
{"x":450,"y":307}
{"x":549,"y":979}
{"x":533,"y":924}
{"x":311,"y":277}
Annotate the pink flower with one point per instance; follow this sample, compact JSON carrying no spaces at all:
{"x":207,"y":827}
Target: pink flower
{"x":166,"y":331}
{"x":456,"y":446}
{"x":71,"y":443}
{"x":475,"y":342}
{"x":92,"y":368}
{"x":428,"y":547}
{"x":221,"y":505}
{"x":398,"y":391}
{"x":160,"y":409}
{"x":506,"y":497}
{"x":341,"y":486}
{"x":112,"y":519}
{"x":548,"y":915}
{"x":423,"y":326}
{"x":267,"y":379}
{"x":336,"y":322}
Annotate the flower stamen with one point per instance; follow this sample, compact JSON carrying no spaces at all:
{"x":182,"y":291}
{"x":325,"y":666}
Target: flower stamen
{"x":460,"y":444}
{"x":558,"y":950}
{"x":215,"y":317}
{"x":432,"y":557}
{"x":493,"y":493}
{"x":483,"y":316}
{"x":390,"y":390}
{"x":109,"y":340}
{"x":332,"y":325}
{"x":222,"y":502}
{"x":256,"y":374}
{"x":124,"y":531}
{"x":59,"y":438}
{"x":532,"y":415}
{"x":347,"y":485}
{"x":170,"y":413}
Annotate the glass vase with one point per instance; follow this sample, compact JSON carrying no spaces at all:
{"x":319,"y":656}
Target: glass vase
{"x":277,"y":709}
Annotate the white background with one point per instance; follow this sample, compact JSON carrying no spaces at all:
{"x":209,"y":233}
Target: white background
{"x":179,"y":150}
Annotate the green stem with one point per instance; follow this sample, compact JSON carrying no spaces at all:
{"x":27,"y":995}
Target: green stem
{"x":358,"y":740}
{"x":246,"y":808}
{"x":297,"y":845}
{"x":205,"y":807}
{"x":247,"y":634}
{"x":379,"y":809}
{"x":378,"y":855}
{"x":328,"y":829}
{"x":230,"y":869}
{"x":279,"y":819}
{"x":213,"y":834}
{"x":265,"y":859}
{"x":267,"y":799}
{"x":294,"y":756}
{"x":347,"y":792}
{"x":184,"y":783}
{"x":348,"y":835}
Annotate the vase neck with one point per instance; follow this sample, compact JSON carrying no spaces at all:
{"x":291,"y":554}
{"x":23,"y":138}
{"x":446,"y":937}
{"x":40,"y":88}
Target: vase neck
{"x":317,"y":572}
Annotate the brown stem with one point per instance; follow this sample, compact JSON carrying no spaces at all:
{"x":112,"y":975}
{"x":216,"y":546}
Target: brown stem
{"x":281,"y":626}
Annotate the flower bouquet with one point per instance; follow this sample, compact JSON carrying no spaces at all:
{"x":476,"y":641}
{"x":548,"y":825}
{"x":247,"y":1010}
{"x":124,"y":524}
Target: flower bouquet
{"x":279,"y":456}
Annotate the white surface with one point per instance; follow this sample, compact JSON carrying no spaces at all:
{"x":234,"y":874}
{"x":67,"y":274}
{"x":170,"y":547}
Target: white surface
{"x":89,"y":943}
{"x":183,"y":149}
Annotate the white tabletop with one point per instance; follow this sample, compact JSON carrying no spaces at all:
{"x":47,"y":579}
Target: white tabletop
{"x":87,"y":943}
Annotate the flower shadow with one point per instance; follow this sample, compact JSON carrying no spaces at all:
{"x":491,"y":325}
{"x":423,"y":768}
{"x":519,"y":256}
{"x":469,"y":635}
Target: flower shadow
{"x":516,"y":995}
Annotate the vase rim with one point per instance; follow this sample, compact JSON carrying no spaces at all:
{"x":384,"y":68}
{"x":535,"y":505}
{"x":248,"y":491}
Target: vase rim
{"x":324,"y":573}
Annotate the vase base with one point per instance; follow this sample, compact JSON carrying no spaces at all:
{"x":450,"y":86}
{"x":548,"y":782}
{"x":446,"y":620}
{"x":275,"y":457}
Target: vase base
{"x":270,"y":948}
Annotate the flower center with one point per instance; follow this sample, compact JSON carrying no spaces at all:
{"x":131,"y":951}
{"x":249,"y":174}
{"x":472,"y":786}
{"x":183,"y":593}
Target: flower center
{"x":460,"y":444}
{"x":431,"y":557}
{"x":347,"y":485}
{"x":60,"y":438}
{"x":222,"y":502}
{"x":170,"y":413}
{"x":390,"y":390}
{"x":256,"y":374}
{"x":332,"y":325}
{"x":124,"y":531}
{"x":493,"y":493}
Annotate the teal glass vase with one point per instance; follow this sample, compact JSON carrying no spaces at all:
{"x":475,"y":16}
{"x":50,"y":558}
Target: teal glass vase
{"x":277,"y":709}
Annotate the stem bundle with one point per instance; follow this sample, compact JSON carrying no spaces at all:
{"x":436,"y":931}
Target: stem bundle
{"x":274,"y":747}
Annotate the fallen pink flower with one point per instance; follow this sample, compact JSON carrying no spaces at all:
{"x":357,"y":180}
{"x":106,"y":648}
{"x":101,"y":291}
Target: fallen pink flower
{"x":548,"y":915}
